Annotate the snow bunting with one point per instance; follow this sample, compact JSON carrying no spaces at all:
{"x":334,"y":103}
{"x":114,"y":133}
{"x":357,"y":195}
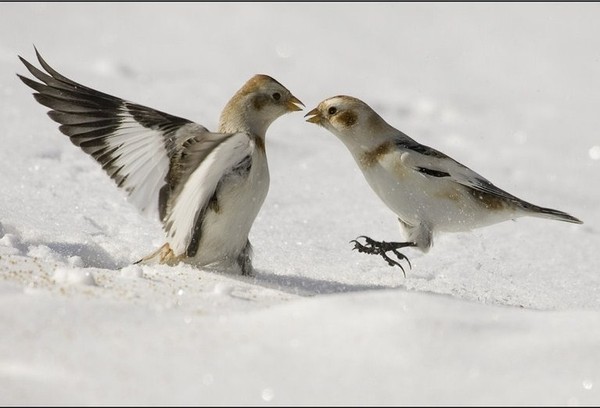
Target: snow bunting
{"x":426,"y":189}
{"x":206,"y":187}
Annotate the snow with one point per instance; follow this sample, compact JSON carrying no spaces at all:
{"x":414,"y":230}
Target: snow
{"x":508,"y":314}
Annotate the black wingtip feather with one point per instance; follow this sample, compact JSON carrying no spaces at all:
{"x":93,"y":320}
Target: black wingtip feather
{"x":62,"y":105}
{"x":36,"y":86}
{"x":51,"y":71}
{"x":36,"y":72}
{"x":60,"y":82}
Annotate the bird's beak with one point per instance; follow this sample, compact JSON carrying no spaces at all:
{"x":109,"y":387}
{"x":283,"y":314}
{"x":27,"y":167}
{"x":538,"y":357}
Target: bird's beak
{"x":294,"y":104}
{"x":315,"y":116}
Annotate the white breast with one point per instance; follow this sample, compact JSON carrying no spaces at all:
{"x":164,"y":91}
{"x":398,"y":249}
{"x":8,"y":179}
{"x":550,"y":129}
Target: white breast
{"x":225,"y":229}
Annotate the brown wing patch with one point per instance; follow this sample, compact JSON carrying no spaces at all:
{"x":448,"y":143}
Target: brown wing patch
{"x":452,"y":195}
{"x":489,"y":201}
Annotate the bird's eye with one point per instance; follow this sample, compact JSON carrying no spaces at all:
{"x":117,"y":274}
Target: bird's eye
{"x":332,"y":110}
{"x":277,"y":96}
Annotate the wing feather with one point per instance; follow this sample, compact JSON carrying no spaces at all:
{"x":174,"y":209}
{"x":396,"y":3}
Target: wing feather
{"x":217,"y":158}
{"x":135,"y":145}
{"x":432,"y":163}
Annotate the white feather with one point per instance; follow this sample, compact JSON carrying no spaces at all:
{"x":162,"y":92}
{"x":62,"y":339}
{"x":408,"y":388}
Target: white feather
{"x":200,"y":187}
{"x":142,"y":156}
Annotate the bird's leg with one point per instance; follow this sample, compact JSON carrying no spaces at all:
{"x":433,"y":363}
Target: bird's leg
{"x":244,"y":260}
{"x":381,"y":248}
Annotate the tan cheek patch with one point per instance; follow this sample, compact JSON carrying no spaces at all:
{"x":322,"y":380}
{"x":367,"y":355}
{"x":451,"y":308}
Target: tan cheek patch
{"x":260,"y":101}
{"x":346,"y":118}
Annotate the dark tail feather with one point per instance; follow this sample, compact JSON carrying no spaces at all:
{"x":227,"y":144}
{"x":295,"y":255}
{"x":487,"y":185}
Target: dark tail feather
{"x":551,"y":214}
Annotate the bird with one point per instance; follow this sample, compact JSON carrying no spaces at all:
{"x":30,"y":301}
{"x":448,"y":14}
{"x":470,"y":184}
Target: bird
{"x":206,"y":187}
{"x":427,"y":190}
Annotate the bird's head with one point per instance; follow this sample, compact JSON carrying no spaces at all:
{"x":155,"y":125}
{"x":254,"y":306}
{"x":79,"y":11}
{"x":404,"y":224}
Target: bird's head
{"x":256,"y":105}
{"x":349,"y":118}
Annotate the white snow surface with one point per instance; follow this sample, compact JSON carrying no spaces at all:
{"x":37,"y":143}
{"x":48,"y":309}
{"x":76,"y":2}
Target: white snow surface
{"x":508,"y":314}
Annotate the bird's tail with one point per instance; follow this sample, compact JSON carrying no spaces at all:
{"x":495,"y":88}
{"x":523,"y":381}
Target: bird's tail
{"x":542,"y":212}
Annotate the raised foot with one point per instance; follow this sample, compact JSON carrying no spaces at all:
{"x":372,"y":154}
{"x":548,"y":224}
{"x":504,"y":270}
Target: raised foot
{"x":382,"y":248}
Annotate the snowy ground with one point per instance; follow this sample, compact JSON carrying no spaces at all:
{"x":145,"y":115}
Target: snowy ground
{"x":509,"y":314}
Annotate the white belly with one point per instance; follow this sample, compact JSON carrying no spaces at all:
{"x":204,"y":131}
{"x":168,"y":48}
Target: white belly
{"x":225,"y":229}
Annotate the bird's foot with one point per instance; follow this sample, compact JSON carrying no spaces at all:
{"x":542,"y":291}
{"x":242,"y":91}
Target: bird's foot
{"x":163,"y":255}
{"x":381,"y":248}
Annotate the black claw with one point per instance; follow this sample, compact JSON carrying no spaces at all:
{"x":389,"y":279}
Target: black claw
{"x":393,"y":263}
{"x":369,"y":247}
{"x":381,"y":248}
{"x":401,"y":256}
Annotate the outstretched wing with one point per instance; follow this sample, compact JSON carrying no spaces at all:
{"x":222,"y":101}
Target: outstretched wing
{"x":134,"y":144}
{"x":432,"y":163}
